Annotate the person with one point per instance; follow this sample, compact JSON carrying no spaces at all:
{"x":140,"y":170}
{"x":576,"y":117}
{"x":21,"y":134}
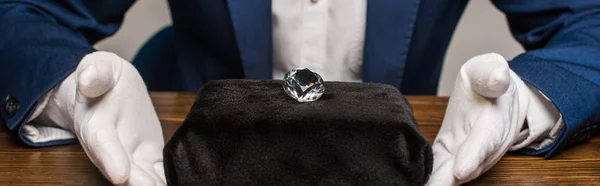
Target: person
{"x":58,"y":89}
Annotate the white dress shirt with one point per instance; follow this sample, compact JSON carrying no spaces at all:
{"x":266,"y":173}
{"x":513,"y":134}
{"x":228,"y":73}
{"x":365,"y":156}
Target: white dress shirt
{"x":326,"y":36}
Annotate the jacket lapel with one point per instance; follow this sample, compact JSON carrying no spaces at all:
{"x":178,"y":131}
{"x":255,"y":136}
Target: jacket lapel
{"x":252,"y":26}
{"x":387,"y":37}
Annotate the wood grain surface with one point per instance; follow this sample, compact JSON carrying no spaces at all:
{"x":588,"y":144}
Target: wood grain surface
{"x":69,"y":165}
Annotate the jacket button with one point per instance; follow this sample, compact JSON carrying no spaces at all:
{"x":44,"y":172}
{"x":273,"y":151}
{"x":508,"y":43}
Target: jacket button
{"x":11,"y":105}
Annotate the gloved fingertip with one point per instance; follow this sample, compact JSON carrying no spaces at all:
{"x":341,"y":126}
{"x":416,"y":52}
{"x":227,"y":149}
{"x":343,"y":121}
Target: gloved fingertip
{"x":116,"y":171}
{"x":442,"y":175}
{"x":107,"y":153}
{"x":464,"y":172}
{"x":465,"y":166}
{"x":488,"y":74}
{"x":97,"y":73}
{"x":118,"y":179}
{"x":160,"y":171}
{"x":140,"y":177}
{"x":498,"y":82}
{"x":93,"y":83}
{"x":468,"y":161}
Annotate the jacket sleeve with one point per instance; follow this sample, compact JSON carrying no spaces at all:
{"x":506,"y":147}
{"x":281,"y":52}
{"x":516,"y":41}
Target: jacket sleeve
{"x":562,"y":39}
{"x":41,"y":43}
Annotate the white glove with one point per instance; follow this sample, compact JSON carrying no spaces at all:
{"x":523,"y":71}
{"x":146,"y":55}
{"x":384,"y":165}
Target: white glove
{"x":484,"y":117}
{"x":106,"y":105}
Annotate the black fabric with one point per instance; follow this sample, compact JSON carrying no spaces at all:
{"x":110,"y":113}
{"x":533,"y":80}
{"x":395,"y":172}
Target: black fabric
{"x":249,"y":132}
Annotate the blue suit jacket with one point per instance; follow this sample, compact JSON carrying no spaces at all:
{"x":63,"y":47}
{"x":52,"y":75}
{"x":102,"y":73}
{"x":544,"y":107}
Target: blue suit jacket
{"x":41,"y":42}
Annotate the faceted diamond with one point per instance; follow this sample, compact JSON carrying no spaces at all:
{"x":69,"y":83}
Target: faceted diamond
{"x":303,"y":85}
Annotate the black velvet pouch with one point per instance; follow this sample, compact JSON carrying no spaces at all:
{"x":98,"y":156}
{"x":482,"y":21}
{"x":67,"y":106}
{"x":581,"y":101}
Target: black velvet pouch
{"x":249,"y":132}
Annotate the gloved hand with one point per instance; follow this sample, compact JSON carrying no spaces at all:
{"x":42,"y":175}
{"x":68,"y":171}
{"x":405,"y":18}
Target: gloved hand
{"x":485,"y":115}
{"x":106,"y":105}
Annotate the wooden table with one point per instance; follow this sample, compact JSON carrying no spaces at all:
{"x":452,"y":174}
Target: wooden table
{"x":69,"y":165}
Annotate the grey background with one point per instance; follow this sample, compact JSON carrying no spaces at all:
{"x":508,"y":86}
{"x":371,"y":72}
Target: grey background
{"x":482,"y":29}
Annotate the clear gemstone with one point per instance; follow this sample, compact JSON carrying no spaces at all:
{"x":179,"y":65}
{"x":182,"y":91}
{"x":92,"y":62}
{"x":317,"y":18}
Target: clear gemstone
{"x":303,"y":85}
